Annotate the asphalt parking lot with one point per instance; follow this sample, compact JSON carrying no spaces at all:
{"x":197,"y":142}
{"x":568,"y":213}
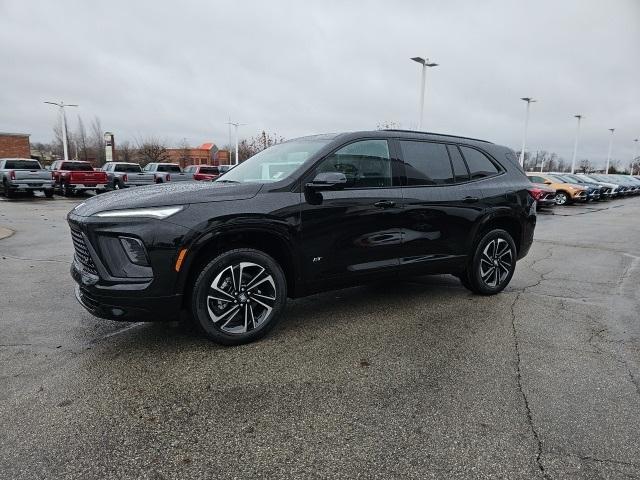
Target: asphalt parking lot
{"x":415,"y":379}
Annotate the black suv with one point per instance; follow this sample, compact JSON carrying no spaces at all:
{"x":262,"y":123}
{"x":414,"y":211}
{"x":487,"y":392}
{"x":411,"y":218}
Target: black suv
{"x":307,"y":215}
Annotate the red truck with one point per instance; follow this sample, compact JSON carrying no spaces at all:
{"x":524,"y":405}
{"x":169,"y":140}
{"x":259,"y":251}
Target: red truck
{"x":203,"y":172}
{"x":70,"y":176}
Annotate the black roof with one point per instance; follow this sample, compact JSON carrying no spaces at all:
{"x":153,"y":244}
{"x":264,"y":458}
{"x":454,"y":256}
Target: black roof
{"x":435,"y":134}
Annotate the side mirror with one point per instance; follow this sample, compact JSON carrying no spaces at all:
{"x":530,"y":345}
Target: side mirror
{"x":328,"y":181}
{"x":547,"y":182}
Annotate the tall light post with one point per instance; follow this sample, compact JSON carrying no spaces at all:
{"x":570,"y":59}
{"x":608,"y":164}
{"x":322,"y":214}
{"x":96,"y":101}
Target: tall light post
{"x":61,"y":105}
{"x":575,"y":145}
{"x":529,"y":101}
{"x":609,"y":153}
{"x":236,"y":125}
{"x":425,"y":63}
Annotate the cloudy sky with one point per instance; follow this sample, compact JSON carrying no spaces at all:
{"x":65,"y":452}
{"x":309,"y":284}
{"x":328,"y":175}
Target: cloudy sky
{"x":181,"y":69}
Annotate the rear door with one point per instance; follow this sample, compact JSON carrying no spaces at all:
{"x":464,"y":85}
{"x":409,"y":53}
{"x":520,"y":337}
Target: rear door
{"x":440,"y":205}
{"x":354,"y":231}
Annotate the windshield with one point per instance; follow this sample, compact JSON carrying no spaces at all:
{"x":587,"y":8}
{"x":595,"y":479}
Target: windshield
{"x":275,"y":163}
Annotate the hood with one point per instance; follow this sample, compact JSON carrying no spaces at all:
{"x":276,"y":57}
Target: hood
{"x":544,"y":187}
{"x":183,"y":193}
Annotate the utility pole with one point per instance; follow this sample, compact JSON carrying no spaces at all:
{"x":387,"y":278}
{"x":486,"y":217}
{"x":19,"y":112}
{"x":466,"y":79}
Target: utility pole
{"x":61,"y":105}
{"x":575,"y":145}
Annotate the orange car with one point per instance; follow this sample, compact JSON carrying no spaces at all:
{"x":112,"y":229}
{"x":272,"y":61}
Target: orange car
{"x":566,"y":193}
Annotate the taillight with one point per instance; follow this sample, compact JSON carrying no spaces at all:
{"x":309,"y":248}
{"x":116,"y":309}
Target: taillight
{"x":125,"y":178}
{"x":12,"y":175}
{"x":535,"y":193}
{"x":53,"y":177}
{"x":168,"y":177}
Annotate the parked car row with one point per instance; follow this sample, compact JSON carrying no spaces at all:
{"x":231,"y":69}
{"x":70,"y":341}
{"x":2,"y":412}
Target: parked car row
{"x":571,"y":188}
{"x":68,"y":177}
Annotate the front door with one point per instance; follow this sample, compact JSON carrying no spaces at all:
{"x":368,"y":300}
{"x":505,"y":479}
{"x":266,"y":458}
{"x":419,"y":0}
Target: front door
{"x":355,"y":230}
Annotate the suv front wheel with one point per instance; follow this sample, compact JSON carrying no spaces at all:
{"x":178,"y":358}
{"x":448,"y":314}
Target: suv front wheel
{"x":238,"y":296}
{"x":492,"y":265}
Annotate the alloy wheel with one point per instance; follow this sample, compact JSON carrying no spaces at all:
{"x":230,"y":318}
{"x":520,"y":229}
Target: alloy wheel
{"x":561,"y":198}
{"x":496,"y":262}
{"x":241,"y":298}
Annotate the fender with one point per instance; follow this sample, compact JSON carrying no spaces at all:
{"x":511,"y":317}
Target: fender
{"x":253,"y":225}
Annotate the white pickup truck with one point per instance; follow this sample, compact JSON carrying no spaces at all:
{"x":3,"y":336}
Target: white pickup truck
{"x":167,"y":172}
{"x":24,"y":175}
{"x":126,"y":174}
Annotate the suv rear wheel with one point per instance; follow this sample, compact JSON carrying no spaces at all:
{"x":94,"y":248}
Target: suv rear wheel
{"x":562,"y":198}
{"x":238,"y":296}
{"x":492,"y":265}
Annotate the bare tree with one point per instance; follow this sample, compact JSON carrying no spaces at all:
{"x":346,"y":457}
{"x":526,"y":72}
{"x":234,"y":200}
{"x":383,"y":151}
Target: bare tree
{"x":151,"y":149}
{"x":585,"y":166}
{"x":614,"y":166}
{"x":634,"y":166}
{"x":248,"y":148}
{"x":82,"y":140}
{"x":97,"y":141}
{"x":388,"y":125}
{"x":126,"y":152}
{"x":563,"y":166}
{"x":185,"y":153}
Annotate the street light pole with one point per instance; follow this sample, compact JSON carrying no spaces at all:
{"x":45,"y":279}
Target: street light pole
{"x":529,"y":101}
{"x":236,"y":125}
{"x":425,"y":63}
{"x":575,"y":145}
{"x":61,"y":105}
{"x":609,"y":153}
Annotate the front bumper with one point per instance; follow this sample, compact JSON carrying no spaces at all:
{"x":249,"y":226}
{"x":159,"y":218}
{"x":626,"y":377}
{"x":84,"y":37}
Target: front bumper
{"x":130,"y":309}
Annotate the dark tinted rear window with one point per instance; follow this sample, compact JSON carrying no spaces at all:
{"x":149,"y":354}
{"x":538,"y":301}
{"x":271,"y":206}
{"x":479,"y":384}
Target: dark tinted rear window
{"x":22,"y":165}
{"x":209,"y":170}
{"x":169,"y":168}
{"x":426,"y":163}
{"x":76,"y":166}
{"x":128,"y":168}
{"x":479,"y":164}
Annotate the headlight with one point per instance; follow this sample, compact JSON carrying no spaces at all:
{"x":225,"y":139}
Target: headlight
{"x":151,"y":212}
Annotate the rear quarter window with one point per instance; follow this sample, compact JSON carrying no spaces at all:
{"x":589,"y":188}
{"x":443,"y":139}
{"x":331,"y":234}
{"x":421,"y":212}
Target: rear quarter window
{"x":480,"y":166}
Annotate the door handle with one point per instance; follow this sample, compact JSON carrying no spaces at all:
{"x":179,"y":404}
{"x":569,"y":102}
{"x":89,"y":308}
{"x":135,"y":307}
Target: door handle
{"x":471,"y":199}
{"x":384,"y":204}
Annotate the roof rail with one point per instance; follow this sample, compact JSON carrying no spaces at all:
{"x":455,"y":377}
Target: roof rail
{"x":433,"y":133}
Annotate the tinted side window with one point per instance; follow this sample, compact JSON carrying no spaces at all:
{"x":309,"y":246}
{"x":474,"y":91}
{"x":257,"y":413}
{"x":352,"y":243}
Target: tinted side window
{"x":366,"y":164}
{"x":460,"y":172}
{"x":426,"y":163}
{"x":536,"y":179}
{"x":479,"y":165}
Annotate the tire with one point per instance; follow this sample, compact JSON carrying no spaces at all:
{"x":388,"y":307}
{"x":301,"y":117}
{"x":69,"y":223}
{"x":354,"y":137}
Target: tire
{"x":48,"y":193}
{"x":6,"y":190}
{"x":227,"y":313}
{"x":562,"y":198}
{"x":116,"y":185}
{"x":159,"y":180}
{"x":495,"y":252}
{"x":66,"y":190}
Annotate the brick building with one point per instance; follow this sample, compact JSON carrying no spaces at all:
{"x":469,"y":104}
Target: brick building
{"x":205,"y":154}
{"x":14,"y":145}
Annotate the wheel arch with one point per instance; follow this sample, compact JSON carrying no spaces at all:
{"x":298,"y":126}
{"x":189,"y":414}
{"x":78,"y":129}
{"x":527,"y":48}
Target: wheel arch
{"x":273,"y":241}
{"x":501,"y":221}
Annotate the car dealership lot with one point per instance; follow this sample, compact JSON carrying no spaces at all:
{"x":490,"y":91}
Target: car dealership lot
{"x":413,"y":379}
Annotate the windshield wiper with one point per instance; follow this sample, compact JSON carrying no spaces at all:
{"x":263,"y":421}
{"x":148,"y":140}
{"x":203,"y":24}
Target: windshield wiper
{"x":227,"y":181}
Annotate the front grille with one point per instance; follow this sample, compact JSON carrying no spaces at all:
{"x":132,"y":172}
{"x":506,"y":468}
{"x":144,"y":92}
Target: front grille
{"x":82,"y":252}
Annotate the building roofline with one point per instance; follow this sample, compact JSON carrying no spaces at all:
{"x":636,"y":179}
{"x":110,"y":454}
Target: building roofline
{"x":13,"y":134}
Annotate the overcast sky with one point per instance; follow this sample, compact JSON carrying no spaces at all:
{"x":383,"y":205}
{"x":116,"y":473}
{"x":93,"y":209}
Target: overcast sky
{"x":180,"y":69}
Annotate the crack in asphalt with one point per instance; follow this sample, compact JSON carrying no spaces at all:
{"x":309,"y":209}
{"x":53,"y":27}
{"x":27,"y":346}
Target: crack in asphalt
{"x":606,"y":460}
{"x":36,"y":259}
{"x":527,"y":407}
